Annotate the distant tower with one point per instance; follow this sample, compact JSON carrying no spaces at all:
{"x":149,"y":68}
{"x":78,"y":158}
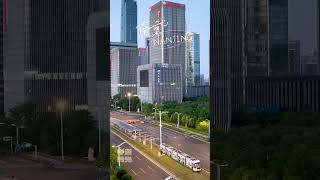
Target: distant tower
{"x":193,"y":59}
{"x":172,"y":31}
{"x":129,"y":21}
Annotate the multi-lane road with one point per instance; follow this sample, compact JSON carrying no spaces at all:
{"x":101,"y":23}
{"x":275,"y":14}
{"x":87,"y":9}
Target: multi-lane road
{"x":140,"y":167}
{"x":17,"y":168}
{"x":194,"y":147}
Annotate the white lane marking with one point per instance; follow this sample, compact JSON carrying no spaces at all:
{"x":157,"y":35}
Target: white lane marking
{"x":133,"y":172}
{"x":206,"y":171}
{"x":151,"y":168}
{"x":155,"y":163}
{"x":138,"y":157}
{"x":142,"y":170}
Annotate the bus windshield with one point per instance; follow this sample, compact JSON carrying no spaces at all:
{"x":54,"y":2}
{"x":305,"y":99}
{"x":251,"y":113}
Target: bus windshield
{"x":197,"y":165}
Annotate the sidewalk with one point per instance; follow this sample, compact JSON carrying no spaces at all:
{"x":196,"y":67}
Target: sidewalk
{"x":57,"y":163}
{"x":8,"y":178}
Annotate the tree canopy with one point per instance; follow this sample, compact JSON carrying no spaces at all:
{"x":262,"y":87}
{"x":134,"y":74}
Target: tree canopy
{"x":283,"y":146}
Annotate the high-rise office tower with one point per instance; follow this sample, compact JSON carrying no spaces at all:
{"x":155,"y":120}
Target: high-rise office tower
{"x":193,"y":59}
{"x":129,"y":21}
{"x":318,"y":34}
{"x":167,"y":37}
{"x":226,"y":61}
{"x":266,"y":37}
{"x":56,"y":51}
{"x":3,"y":21}
{"x":248,"y":38}
{"x":124,"y":62}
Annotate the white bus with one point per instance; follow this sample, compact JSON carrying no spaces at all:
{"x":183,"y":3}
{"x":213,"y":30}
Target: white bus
{"x":181,"y":157}
{"x":193,"y":163}
{"x":174,"y":155}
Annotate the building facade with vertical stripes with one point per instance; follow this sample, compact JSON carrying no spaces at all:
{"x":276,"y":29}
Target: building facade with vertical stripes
{"x":124,"y":64}
{"x":226,"y":63}
{"x":167,"y":44}
{"x":3,"y":24}
{"x":248,"y":38}
{"x":319,"y":34}
{"x":47,"y":58}
{"x":285,"y":93}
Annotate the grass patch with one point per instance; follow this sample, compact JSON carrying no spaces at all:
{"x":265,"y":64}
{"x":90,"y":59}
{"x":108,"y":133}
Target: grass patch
{"x":169,"y":124}
{"x":171,"y":165}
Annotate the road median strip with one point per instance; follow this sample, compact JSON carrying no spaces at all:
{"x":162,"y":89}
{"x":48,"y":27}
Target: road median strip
{"x":173,"y":167}
{"x":184,"y":132}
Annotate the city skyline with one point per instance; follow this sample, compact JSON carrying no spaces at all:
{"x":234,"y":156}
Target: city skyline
{"x":192,"y":24}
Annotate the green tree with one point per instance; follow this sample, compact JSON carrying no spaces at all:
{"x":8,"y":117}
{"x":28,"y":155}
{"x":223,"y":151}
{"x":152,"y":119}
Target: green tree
{"x":102,"y":160}
{"x":147,"y":109}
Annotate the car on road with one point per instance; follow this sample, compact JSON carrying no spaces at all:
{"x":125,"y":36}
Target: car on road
{"x":131,"y":121}
{"x":142,"y":122}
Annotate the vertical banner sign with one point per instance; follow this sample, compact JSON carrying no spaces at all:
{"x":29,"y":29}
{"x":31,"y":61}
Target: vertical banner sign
{"x":5,"y":15}
{"x":158,"y":76}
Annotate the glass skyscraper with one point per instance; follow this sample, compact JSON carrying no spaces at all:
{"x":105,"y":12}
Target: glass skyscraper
{"x":193,"y":59}
{"x":266,"y":37}
{"x":129,"y":21}
{"x":278,"y":37}
{"x":248,"y":39}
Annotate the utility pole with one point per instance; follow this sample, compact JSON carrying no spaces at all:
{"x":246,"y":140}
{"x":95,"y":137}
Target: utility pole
{"x":209,"y":129}
{"x":160,"y":128}
{"x":218,"y":169}
{"x":178,"y":125}
{"x":99,"y":129}
{"x":129,"y":101}
{"x":61,"y":123}
{"x":17,"y":131}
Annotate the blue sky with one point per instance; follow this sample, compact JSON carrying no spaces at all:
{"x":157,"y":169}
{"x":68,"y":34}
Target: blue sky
{"x":197,"y":18}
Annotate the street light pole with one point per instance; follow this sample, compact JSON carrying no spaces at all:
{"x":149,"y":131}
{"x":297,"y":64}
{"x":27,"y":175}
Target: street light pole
{"x":178,"y":125}
{"x":17,"y":131}
{"x":61,"y":123}
{"x":129,"y":95}
{"x":119,"y":164}
{"x":99,"y":129}
{"x":209,"y":129}
{"x":218,"y":169}
{"x":160,"y":128}
{"x":11,"y":146}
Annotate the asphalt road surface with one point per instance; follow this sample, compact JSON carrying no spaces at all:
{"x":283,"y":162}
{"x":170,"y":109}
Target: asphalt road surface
{"x":21,"y":169}
{"x":140,"y":168}
{"x":186,"y":144}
